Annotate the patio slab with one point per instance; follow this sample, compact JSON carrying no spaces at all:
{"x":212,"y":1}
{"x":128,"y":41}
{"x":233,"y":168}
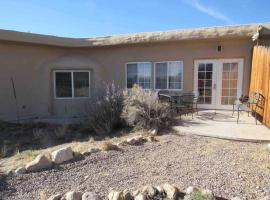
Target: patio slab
{"x":221,"y":124}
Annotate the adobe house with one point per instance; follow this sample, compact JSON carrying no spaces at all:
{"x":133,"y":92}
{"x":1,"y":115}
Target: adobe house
{"x":53,"y":77}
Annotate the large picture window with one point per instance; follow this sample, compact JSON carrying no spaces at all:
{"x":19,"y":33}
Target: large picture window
{"x":139,"y":73}
{"x":169,"y":75}
{"x":72,"y":84}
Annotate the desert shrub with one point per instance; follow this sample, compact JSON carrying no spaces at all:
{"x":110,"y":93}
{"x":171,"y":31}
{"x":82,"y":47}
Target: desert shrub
{"x":197,"y":196}
{"x":103,"y":112}
{"x":143,"y":110}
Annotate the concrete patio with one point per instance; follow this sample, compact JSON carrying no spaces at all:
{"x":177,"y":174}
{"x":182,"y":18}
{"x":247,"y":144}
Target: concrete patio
{"x":223,"y":125}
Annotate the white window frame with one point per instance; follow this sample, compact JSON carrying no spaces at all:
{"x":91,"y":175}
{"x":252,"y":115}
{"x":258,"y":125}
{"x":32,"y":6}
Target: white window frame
{"x":72,"y":83}
{"x":151,"y":83}
{"x":182,"y":78}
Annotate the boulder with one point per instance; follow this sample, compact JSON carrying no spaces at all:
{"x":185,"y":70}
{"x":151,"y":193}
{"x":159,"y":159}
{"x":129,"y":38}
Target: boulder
{"x":160,"y":191}
{"x":90,"y":196}
{"x":62,"y":155}
{"x":73,"y":195}
{"x":20,"y":170}
{"x":191,"y":189}
{"x":40,"y":162}
{"x":149,"y":190}
{"x":141,"y":197}
{"x":114,"y":195}
{"x":154,"y":132}
{"x":127,"y":195}
{"x":150,"y":139}
{"x":135,"y":193}
{"x":55,"y":197}
{"x":171,"y":191}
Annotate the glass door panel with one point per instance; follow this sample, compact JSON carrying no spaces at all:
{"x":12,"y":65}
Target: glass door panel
{"x":229,"y":83}
{"x":205,"y":80}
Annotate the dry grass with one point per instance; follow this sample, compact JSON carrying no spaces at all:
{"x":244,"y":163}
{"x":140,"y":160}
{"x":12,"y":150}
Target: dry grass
{"x":108,"y":146}
{"x":22,"y":158}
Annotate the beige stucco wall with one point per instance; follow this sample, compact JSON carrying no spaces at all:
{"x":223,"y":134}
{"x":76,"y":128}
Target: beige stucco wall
{"x":31,"y":67}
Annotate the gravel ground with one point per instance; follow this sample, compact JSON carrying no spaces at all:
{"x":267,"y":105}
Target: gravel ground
{"x":228,"y":168}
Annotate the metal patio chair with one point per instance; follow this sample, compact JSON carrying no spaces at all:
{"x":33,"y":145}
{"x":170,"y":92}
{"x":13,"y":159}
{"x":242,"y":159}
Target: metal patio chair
{"x":190,"y":100}
{"x":249,"y":104}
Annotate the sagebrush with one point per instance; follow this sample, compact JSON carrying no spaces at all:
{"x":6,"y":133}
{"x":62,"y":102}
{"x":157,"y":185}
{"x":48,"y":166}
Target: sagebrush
{"x":103,"y":112}
{"x":143,"y":110}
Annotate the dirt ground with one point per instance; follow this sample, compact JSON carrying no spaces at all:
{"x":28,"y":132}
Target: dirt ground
{"x":228,"y":168}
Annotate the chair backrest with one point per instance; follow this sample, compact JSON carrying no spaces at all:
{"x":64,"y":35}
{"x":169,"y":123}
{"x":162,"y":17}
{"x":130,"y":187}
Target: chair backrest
{"x":255,"y":98}
{"x":190,"y":97}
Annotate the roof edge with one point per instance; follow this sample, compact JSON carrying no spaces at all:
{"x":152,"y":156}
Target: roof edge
{"x":235,"y":31}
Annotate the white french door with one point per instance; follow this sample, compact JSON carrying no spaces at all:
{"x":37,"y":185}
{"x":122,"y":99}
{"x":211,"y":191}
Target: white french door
{"x":218,"y":81}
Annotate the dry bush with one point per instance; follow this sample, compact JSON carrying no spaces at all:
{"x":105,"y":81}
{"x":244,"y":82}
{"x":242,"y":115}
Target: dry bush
{"x":197,"y":196}
{"x":103,"y":112}
{"x":108,"y":146}
{"x":143,"y":110}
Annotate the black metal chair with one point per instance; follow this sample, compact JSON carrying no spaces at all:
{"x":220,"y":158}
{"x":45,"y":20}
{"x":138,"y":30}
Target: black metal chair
{"x":190,"y":100}
{"x":249,"y":104}
{"x":174,"y":100}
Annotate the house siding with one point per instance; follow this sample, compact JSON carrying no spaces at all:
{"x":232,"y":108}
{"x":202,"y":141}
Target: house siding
{"x":31,"y":67}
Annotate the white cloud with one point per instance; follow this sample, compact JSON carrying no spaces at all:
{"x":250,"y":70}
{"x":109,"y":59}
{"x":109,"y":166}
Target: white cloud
{"x":209,"y":11}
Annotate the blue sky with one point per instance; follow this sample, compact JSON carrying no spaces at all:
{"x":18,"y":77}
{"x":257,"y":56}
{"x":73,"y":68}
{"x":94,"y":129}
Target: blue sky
{"x":90,"y":18}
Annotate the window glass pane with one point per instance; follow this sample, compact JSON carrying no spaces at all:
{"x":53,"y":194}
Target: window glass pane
{"x":161,"y":75}
{"x":63,"y":84}
{"x":201,"y":67}
{"x":132,"y":75}
{"x":81,"y":84}
{"x":175,"y":75}
{"x":144,"y":75}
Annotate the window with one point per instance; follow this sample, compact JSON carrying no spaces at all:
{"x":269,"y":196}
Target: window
{"x":139,"y":73}
{"x":169,"y":75}
{"x":72,"y":84}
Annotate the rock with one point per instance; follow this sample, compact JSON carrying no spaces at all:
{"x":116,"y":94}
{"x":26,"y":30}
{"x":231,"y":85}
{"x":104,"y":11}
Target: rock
{"x":160,"y":191}
{"x":122,"y":143}
{"x":73,"y":195}
{"x":90,"y":196}
{"x":10,"y":172}
{"x":236,"y":198}
{"x":149,"y":190}
{"x":191,"y":189}
{"x":154,"y":132}
{"x":40,"y":162}
{"x":137,"y":140}
{"x":207,"y":193}
{"x":127,"y":195}
{"x":91,"y":151}
{"x":114,"y":195}
{"x":55,"y":197}
{"x":150,"y":139}
{"x":20,"y":170}
{"x":135,"y":193}
{"x":62,"y":155}
{"x":141,"y":197}
{"x":171,"y":191}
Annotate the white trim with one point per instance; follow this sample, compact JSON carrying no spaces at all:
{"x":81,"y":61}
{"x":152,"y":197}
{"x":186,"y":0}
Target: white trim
{"x":217,"y":79}
{"x":72,"y":83}
{"x":182,"y":78}
{"x":151,"y":78}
